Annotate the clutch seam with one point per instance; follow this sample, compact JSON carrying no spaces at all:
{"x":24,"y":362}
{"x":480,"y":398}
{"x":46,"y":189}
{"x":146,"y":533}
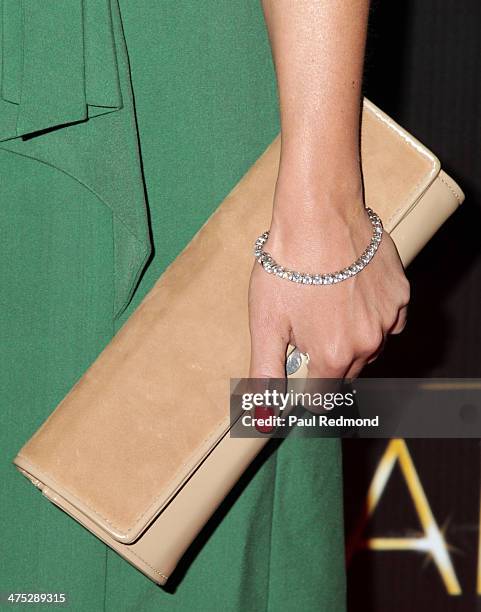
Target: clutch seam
{"x":148,"y":564}
{"x":453,"y":191}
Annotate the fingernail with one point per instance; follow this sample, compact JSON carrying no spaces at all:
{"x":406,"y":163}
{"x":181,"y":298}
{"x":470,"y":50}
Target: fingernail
{"x":263,"y":413}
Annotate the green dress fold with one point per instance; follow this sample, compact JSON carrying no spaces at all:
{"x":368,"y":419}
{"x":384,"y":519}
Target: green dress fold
{"x":67,"y":102}
{"x":78,"y":163}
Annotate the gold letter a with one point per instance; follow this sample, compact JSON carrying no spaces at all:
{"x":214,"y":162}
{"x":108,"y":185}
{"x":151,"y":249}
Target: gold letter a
{"x":432,"y":541}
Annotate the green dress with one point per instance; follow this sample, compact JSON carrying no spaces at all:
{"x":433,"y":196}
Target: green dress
{"x":123,"y":125}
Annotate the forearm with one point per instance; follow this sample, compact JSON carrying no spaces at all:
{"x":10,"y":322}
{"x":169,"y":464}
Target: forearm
{"x":319,"y":222}
{"x":318,"y":49}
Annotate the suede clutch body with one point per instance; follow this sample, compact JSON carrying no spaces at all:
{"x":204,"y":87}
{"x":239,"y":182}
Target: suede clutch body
{"x":139,"y":451}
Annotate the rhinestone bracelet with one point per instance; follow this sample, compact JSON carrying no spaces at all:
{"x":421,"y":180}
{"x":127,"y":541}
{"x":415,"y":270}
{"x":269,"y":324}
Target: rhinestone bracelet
{"x":272,"y":267}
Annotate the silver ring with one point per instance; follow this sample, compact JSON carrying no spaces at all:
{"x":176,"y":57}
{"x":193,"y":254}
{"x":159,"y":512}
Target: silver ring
{"x":295,"y":360}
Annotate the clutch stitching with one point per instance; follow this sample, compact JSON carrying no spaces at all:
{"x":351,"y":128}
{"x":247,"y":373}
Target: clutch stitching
{"x":451,"y":189}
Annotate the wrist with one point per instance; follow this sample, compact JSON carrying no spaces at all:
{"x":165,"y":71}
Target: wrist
{"x":314,"y":208}
{"x":310,"y":189}
{"x":270,"y":264}
{"x":331,"y":166}
{"x":330,"y":228}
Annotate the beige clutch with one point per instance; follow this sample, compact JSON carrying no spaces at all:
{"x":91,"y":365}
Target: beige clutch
{"x":139,"y":451}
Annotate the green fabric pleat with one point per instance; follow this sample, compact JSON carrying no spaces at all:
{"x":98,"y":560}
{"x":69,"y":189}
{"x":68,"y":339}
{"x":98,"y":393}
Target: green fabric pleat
{"x":73,"y":77}
{"x":74,"y":240}
{"x":64,"y":65}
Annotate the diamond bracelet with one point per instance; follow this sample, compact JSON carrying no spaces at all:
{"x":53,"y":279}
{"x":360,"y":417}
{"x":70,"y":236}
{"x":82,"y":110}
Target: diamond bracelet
{"x":272,"y":267}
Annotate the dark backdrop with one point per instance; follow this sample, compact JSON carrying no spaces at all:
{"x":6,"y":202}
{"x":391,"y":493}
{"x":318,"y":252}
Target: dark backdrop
{"x":423,"y":65}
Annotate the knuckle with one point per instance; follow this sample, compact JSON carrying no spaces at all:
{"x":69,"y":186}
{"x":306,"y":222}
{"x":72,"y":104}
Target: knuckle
{"x":371,"y":347}
{"x":337,"y":360}
{"x":375,"y":341}
{"x":372,"y":338}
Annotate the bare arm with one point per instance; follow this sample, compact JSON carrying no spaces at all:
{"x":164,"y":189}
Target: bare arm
{"x":319,"y":221}
{"x":318,"y":49}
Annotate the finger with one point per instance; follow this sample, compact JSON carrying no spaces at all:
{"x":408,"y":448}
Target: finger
{"x":400,"y":322}
{"x":268,"y":360}
{"x":356,"y":368}
{"x":324,"y":376}
{"x":268,"y":355}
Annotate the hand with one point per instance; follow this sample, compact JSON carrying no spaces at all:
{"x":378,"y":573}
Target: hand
{"x":343,"y":326}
